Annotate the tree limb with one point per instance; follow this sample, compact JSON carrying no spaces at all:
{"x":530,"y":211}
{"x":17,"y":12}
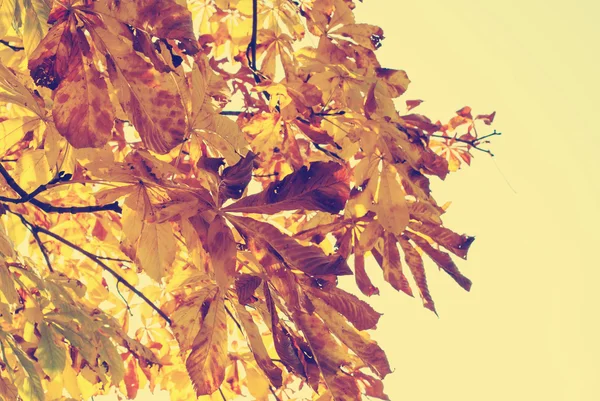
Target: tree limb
{"x":99,"y":262}
{"x":25,"y":197}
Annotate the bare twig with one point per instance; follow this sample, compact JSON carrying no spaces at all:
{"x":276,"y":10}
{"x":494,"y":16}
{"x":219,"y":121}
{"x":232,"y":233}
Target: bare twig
{"x":25,"y":197}
{"x":474,"y":143}
{"x":12,"y":47}
{"x":124,"y":300}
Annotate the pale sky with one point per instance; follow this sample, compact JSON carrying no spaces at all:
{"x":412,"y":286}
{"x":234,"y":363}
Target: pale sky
{"x":528,"y":330}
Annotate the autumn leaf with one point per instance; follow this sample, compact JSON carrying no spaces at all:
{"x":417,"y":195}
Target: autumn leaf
{"x":322,"y":187}
{"x":206,"y":363}
{"x":308,"y":259}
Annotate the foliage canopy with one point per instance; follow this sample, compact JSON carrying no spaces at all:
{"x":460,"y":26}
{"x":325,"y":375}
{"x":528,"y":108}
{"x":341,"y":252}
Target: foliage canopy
{"x":152,"y":234}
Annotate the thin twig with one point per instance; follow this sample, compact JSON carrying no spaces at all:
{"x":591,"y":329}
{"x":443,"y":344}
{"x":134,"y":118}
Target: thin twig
{"x":273,"y":392}
{"x":231,"y":113}
{"x":12,"y":47}
{"x":26,"y":197}
{"x":253,"y":40}
{"x":124,"y":300}
{"x":474,"y":143}
{"x":222,"y":395}
{"x":234,"y":319}
{"x":38,"y":240}
{"x":114,"y":259}
{"x":104,"y":266}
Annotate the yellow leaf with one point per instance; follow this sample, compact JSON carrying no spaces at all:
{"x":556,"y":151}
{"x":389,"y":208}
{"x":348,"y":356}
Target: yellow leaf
{"x":32,"y":169}
{"x":35,"y":23}
{"x":156,"y":250}
{"x":392,"y":211}
{"x":14,"y":129}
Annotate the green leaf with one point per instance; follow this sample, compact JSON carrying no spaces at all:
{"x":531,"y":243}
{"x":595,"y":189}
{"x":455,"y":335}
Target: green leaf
{"x":30,"y":385}
{"x":51,"y":352}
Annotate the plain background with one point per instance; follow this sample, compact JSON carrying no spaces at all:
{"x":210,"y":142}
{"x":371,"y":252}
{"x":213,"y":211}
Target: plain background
{"x":528,"y":330}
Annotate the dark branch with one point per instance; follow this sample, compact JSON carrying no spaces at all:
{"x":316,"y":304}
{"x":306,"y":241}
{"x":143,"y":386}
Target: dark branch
{"x":104,"y":266}
{"x":327,"y":152}
{"x":474,"y":143}
{"x":12,"y":47}
{"x":25,"y":197}
{"x":273,"y":392}
{"x":233,"y":113}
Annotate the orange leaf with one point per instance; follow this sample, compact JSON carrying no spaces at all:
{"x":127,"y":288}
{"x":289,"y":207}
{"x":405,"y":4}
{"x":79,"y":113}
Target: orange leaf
{"x":207,"y":362}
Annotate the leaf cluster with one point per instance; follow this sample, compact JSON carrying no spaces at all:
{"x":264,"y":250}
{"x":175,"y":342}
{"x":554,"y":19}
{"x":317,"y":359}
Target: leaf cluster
{"x":152,"y":234}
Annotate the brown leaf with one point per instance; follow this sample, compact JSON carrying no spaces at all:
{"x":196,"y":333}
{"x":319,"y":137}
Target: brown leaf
{"x":411,"y":104}
{"x":455,"y":243}
{"x":322,"y":187}
{"x":82,"y":110}
{"x":236,"y":178}
{"x":358,"y":312}
{"x":222,"y":249}
{"x":50,"y":61}
{"x":392,"y":265}
{"x":163,"y":18}
{"x":362,"y":279}
{"x":309,"y":259}
{"x":442,"y":259}
{"x":151,"y":99}
{"x":357,"y":341}
{"x":415,"y":263}
{"x":487,"y":118}
{"x":131,"y":380}
{"x":245,"y":285}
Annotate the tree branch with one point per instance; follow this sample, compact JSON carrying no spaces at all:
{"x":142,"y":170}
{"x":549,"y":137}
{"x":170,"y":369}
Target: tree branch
{"x":100,"y":263}
{"x":38,"y":240}
{"x":474,"y":143}
{"x":12,"y":47}
{"x":25,"y":197}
